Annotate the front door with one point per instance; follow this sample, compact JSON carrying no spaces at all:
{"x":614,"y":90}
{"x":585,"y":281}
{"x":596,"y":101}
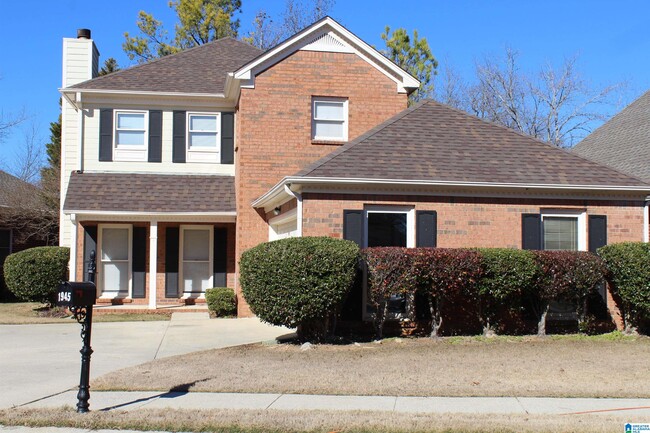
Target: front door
{"x":115,"y":261}
{"x":196,"y":260}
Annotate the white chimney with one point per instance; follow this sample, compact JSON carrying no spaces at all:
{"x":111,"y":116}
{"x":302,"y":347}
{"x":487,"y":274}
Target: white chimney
{"x":80,"y":59}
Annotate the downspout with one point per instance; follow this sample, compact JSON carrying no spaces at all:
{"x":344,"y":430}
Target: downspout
{"x":80,"y":134}
{"x":298,"y":197}
{"x":646,"y":220}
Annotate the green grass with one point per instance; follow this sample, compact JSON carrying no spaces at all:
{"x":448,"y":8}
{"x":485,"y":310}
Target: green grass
{"x":23,"y":313}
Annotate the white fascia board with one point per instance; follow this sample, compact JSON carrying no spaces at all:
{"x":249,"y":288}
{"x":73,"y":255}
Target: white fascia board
{"x":277,"y":194}
{"x":157,"y":216}
{"x":292,"y":44}
{"x":143,"y":93}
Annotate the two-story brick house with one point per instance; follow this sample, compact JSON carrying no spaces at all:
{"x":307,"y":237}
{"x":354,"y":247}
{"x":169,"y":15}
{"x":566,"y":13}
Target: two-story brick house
{"x":181,"y":164}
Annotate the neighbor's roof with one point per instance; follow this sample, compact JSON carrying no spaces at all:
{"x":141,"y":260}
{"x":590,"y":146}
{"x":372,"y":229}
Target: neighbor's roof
{"x":624,"y":141}
{"x":15,"y":191}
{"x":201,"y":69}
{"x":434,"y":142}
{"x":127,"y":192}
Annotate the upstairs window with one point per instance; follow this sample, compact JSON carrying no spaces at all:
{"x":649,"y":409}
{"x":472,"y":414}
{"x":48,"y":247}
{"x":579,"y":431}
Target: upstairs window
{"x":329,"y":119}
{"x":203,"y":137}
{"x":130,"y":138}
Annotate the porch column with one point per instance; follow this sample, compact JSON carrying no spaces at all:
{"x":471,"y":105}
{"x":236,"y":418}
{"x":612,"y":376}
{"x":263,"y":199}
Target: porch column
{"x":73,"y":252}
{"x":153,"y":263}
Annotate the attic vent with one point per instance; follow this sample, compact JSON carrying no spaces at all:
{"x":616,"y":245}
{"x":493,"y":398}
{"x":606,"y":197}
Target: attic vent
{"x":327,"y":42}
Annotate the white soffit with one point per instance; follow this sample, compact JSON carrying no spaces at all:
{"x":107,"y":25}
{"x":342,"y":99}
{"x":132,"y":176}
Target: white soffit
{"x":326,"y":35}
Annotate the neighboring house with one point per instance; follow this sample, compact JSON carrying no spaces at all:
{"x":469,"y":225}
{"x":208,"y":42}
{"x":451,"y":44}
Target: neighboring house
{"x":181,"y":164}
{"x":15,"y":232}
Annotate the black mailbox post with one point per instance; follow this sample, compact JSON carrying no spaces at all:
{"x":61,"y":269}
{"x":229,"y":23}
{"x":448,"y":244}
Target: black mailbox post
{"x":80,"y":298}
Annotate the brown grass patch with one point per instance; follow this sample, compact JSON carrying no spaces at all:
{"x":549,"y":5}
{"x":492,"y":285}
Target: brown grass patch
{"x":25,"y":313}
{"x":609,"y":366}
{"x":258,"y":421}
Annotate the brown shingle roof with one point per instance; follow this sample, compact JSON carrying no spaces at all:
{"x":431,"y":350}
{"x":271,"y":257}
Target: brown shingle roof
{"x":201,"y":69}
{"x":125,"y":192}
{"x":624,"y":141}
{"x":434,"y":142}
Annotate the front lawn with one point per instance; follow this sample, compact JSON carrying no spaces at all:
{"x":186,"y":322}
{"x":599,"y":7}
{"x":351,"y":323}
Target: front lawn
{"x":22,"y":313}
{"x":609,"y":365}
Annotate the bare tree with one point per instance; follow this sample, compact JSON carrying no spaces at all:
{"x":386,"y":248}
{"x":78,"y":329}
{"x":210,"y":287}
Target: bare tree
{"x":556,"y":105}
{"x":298,"y":14}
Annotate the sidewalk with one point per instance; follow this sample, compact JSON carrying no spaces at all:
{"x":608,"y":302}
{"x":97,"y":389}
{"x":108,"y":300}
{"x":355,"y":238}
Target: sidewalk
{"x":128,"y":401}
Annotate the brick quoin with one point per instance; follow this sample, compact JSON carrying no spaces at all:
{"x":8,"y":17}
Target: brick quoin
{"x":274,"y":126}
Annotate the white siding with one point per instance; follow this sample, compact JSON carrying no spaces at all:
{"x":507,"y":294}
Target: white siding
{"x":80,"y":58}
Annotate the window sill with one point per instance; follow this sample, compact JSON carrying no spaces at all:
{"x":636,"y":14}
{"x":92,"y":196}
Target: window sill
{"x":329,"y":142}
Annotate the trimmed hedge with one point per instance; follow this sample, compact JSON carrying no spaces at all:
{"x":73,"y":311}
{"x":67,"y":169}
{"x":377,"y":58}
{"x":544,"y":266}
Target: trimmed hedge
{"x":35,"y":274}
{"x":299,"y":282}
{"x":507,"y":275}
{"x":628,"y":264}
{"x":221,"y":301}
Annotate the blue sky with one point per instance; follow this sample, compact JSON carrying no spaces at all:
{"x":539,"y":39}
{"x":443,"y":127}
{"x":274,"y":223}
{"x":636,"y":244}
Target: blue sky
{"x":612,"y":39}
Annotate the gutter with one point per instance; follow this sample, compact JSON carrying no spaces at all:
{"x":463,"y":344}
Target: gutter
{"x":298,"y":197}
{"x":65,"y":90}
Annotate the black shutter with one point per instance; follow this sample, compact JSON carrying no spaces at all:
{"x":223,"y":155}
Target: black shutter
{"x":227,"y":138}
{"x":531,"y":228}
{"x":426,"y":228}
{"x":171,"y":262}
{"x":178,"y":152}
{"x":106,"y":134}
{"x":353,"y":226}
{"x":220,"y":257}
{"x":155,"y":136}
{"x":597,"y":232}
{"x":90,"y":244}
{"x":139,"y":269}
{"x":353,"y":231}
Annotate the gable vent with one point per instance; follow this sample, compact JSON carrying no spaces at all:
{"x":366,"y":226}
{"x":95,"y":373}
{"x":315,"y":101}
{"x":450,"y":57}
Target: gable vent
{"x":327,"y":42}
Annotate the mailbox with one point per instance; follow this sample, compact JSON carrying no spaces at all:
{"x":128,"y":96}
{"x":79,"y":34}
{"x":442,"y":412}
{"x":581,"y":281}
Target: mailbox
{"x":76,"y":294}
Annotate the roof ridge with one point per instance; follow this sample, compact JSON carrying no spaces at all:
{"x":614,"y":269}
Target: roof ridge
{"x":366,"y":135}
{"x":158,"y":59}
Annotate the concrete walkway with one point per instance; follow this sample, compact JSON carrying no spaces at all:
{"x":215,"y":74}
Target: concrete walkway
{"x":128,"y":401}
{"x":37,"y":361}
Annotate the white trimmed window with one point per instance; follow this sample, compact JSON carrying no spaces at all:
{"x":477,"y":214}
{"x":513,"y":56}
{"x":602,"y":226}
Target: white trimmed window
{"x":564,"y":230}
{"x":196,"y":260}
{"x":329,"y":119}
{"x":114,"y":260}
{"x":130,"y":138}
{"x":203,"y":137}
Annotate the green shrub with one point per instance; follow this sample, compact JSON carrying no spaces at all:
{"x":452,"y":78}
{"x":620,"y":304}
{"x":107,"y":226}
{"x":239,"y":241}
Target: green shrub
{"x":568,"y":276}
{"x":507,"y":274}
{"x":299,"y":282}
{"x":628,"y":267}
{"x":35,"y":274}
{"x":221,"y":301}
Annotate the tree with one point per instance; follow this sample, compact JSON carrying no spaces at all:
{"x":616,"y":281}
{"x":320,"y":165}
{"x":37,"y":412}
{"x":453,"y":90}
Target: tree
{"x":297,"y":15}
{"x":556,"y":105}
{"x":414,"y":56}
{"x":199,"y":22}
{"x":110,"y":66}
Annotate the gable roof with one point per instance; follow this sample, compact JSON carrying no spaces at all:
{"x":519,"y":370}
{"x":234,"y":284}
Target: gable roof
{"x":202,"y":69}
{"x":15,"y":192}
{"x":434,"y":142}
{"x":158,"y":193}
{"x":328,"y":35}
{"x":624,"y":141}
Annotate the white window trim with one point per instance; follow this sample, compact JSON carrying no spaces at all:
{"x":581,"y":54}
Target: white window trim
{"x":410,"y":240}
{"x":99,"y":277}
{"x":276,"y":222}
{"x":181,"y":243}
{"x":126,"y":152}
{"x":313,"y":118}
{"x":204,"y":154}
{"x":580,"y":215}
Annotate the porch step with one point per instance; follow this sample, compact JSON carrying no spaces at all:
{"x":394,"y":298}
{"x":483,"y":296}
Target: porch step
{"x":177,"y":316}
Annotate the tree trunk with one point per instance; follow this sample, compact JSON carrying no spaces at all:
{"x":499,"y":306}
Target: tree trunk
{"x":485,"y":315}
{"x":581,"y":312}
{"x":380,"y":319}
{"x":629,"y":328}
{"x":436,"y":317}
{"x":541,"y":325}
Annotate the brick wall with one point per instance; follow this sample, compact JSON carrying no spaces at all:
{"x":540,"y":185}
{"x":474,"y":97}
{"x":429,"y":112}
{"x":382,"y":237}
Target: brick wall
{"x":274,"y":125}
{"x":473,"y":222}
